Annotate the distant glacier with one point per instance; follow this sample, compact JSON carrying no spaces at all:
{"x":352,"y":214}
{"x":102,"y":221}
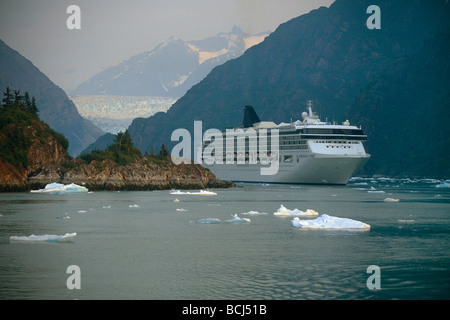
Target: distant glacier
{"x":115,"y":113}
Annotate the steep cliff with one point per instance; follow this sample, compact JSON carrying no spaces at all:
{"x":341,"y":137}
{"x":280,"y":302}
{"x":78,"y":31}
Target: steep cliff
{"x":27,"y":144}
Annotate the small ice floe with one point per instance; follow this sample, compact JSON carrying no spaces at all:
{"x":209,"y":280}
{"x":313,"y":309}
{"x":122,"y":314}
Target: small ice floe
{"x":253,"y":213}
{"x":181,"y":209}
{"x":106,"y":207}
{"x":201,"y":192}
{"x":445,"y":184}
{"x":133,"y":206}
{"x":208,"y":221}
{"x":360,"y":184}
{"x":406,"y":221}
{"x":45,"y":237}
{"x":330,"y":222}
{"x":65,"y":217}
{"x":285,"y":212}
{"x":58,"y":188}
{"x":176,"y":200}
{"x":391,"y":200}
{"x":373,"y":190}
{"x":81,"y":211}
{"x":234,"y":219}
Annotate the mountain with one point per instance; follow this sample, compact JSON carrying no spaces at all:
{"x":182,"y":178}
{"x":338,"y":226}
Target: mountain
{"x":171,"y":68}
{"x":328,"y":55}
{"x":405,"y":111}
{"x":55,"y":108}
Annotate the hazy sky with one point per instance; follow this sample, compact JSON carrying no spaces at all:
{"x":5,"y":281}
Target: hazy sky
{"x":114,"y":30}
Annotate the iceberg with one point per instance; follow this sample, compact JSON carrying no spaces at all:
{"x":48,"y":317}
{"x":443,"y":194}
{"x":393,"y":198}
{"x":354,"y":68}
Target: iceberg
{"x":253,"y":213}
{"x":45,"y":237}
{"x":237,"y":219}
{"x":59,"y":188}
{"x":201,"y":192}
{"x":208,"y":221}
{"x":330,"y":222}
{"x":234,"y":219}
{"x":285,"y":212}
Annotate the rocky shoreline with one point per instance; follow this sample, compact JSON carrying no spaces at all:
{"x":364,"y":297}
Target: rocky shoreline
{"x":142,"y":175}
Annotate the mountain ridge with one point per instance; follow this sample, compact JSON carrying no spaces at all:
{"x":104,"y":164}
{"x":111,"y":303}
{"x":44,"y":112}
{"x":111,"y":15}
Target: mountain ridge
{"x":55,"y":108}
{"x":171,"y":68}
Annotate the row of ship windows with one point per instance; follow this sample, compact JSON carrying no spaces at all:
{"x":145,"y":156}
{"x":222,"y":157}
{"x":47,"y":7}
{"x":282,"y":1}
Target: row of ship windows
{"x":337,"y":141}
{"x":339,"y":147}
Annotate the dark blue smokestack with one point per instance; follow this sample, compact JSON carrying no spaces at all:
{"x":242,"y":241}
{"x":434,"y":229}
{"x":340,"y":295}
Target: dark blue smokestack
{"x":250,"y":117}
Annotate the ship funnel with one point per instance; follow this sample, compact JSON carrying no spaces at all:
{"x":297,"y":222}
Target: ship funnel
{"x":250,"y":117}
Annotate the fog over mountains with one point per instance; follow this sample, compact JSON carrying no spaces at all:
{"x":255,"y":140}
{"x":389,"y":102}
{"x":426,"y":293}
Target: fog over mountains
{"x":171,"y":68}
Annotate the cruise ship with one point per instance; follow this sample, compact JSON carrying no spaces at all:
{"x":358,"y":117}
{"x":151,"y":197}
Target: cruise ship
{"x":306,"y":151}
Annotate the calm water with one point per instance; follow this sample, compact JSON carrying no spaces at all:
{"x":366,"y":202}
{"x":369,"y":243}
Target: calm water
{"x":153,"y":251}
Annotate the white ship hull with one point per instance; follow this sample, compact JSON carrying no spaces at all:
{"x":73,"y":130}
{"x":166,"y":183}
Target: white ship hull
{"x":317,"y":170}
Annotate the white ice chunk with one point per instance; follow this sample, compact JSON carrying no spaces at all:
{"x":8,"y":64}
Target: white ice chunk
{"x":57,"y":188}
{"x":237,"y":219}
{"x":283,"y":211}
{"x":329,"y":222}
{"x":201,"y":192}
{"x":406,"y":221}
{"x":234,"y":219}
{"x":391,"y":200}
{"x":373,"y":190}
{"x":445,"y":184}
{"x":133,"y":206}
{"x":253,"y":213}
{"x":181,"y":209}
{"x":45,"y":237}
{"x":208,"y":221}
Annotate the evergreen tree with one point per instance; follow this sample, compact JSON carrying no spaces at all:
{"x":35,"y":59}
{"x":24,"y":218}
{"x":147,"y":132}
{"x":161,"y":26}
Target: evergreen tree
{"x":34,"y":108}
{"x":7,"y":100}
{"x":17,"y":98}
{"x":163,"y":152}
